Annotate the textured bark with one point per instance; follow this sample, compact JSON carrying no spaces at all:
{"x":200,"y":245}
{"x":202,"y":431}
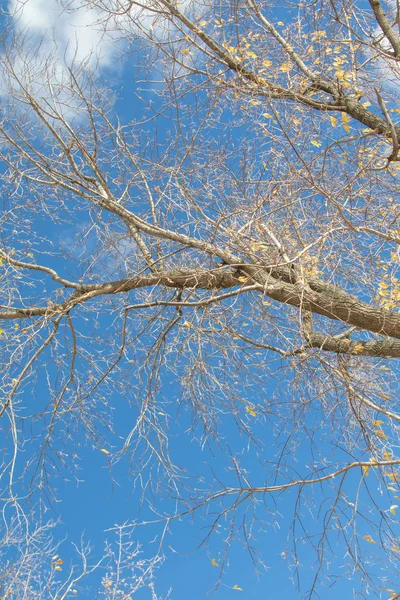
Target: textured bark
{"x":386,"y":27}
{"x":315,"y":296}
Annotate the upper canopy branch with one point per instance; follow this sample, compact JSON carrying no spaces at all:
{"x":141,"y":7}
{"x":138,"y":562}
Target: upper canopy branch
{"x":260,"y":85}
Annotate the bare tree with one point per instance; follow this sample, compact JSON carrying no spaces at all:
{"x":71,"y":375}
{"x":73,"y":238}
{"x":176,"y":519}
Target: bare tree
{"x":237,"y":237}
{"x":33,"y":566}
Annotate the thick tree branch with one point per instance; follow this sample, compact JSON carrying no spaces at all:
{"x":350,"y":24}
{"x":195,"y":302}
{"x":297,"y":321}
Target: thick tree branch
{"x":386,"y":348}
{"x":386,"y":27}
{"x":316,"y":296}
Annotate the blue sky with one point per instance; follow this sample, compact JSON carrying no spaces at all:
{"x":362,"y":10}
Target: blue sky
{"x":98,"y":494}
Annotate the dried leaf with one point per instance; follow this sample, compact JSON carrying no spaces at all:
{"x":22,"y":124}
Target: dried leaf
{"x":381,"y":434}
{"x":358,"y":348}
{"x":285,"y":67}
{"x":214,"y":562}
{"x":251,"y":411}
{"x":369,"y":539}
{"x":393,"y":476}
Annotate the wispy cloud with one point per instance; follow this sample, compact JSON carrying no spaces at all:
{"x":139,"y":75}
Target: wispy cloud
{"x":52,"y":38}
{"x":80,"y":31}
{"x":73,"y":34}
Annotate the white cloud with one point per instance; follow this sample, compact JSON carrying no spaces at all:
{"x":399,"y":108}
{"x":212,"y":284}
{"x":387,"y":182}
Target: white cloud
{"x":81,"y":31}
{"x":75,"y":34}
{"x":52,"y":36}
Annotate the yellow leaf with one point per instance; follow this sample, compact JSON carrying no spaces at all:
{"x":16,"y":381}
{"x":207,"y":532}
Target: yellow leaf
{"x":333,"y":121}
{"x":236,"y":587}
{"x":214,"y":562}
{"x":59,"y":561}
{"x":377,"y":423}
{"x":1,"y":331}
{"x":366,"y":469}
{"x":346,"y":128}
{"x":366,"y":104}
{"x":358,"y":348}
{"x":369,"y":539}
{"x":186,"y":324}
{"x":285,"y":67}
{"x":387,"y":455}
{"x":345,"y":118}
{"x":251,"y":54}
{"x":268,"y":116}
{"x":392,"y":509}
{"x":243,"y":278}
{"x":104,"y":451}
{"x":202,"y":23}
{"x":251,"y":411}
{"x":395,"y":550}
{"x":266,"y":62}
{"x":57,"y":568}
{"x":316,"y":143}
{"x":393,"y":476}
{"x":186,"y":51}
{"x":381,"y":434}
{"x":54,"y":557}
{"x":319,"y":34}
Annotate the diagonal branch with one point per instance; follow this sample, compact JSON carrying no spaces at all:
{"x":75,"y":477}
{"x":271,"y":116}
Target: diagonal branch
{"x":386,"y":27}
